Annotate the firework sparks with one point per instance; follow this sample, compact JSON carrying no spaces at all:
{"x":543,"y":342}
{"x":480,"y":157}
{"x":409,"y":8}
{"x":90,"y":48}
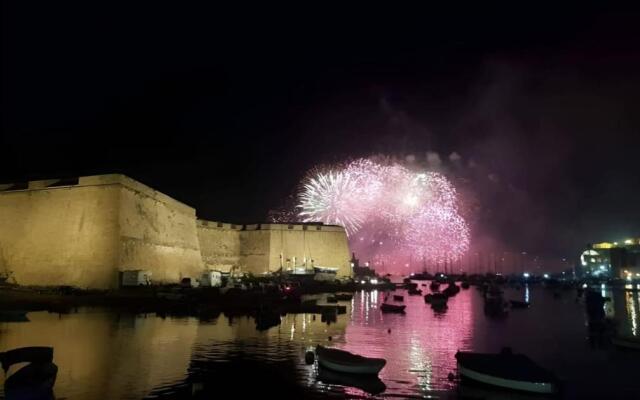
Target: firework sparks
{"x":388,"y":209}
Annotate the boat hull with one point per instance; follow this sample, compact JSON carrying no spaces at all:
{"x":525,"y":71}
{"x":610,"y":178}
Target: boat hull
{"x":351,"y":369}
{"x":340,"y":361}
{"x":524,"y":386}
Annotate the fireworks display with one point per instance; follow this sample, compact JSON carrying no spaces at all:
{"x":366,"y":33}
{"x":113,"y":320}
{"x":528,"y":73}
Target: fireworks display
{"x":388,"y":211}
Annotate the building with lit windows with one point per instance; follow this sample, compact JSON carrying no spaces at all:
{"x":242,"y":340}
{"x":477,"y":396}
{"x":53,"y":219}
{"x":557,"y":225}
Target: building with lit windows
{"x":612,"y":260}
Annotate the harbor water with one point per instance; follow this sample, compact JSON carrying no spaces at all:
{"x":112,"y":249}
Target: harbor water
{"x":103,"y":354}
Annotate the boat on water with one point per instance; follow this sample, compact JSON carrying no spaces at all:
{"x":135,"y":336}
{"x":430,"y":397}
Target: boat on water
{"x":439,"y":307}
{"x":434,"y":286}
{"x":33,"y":381}
{"x":415,"y":292}
{"x":519,"y":304}
{"x":506,"y":370}
{"x":465,"y":285}
{"x":344,"y":361}
{"x":368,"y":383}
{"x":496,"y":307}
{"x":422,"y":276}
{"x":398,"y":298}
{"x":392,"y":308}
{"x":626,"y":342}
{"x":435,"y":298}
{"x":451,"y":290}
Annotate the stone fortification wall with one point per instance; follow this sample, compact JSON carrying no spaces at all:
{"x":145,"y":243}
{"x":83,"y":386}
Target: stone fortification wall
{"x":83,"y":231}
{"x":83,"y":234}
{"x":219,"y":245}
{"x":317,"y":245}
{"x":261,"y":248}
{"x":60,"y":236}
{"x":157,"y":233}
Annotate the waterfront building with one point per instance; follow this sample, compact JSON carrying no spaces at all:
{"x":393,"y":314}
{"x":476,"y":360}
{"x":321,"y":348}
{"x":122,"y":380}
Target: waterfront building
{"x":612,"y":260}
{"x":85,"y":231}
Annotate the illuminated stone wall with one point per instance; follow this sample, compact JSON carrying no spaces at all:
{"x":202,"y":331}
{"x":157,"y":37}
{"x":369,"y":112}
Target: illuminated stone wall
{"x":219,"y":245}
{"x":261,"y":248}
{"x":83,"y":234}
{"x":157,"y":233}
{"x":60,"y":236}
{"x":320,"y":246}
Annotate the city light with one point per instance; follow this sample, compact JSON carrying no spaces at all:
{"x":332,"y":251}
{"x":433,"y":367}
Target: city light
{"x":546,"y":276}
{"x":374,"y":281}
{"x":526,"y":274}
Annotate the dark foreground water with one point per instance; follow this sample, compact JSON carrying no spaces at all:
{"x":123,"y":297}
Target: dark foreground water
{"x":107,"y":355}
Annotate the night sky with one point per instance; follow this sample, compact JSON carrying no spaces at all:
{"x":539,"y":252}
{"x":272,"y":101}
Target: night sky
{"x":226,"y":110}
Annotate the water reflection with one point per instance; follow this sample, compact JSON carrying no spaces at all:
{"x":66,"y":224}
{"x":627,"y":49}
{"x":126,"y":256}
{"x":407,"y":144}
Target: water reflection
{"x":101,"y":354}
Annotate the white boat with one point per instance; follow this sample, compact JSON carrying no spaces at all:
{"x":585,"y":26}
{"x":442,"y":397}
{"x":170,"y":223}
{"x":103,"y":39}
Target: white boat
{"x":506,"y":370}
{"x":628,"y":342}
{"x":343,"y":361}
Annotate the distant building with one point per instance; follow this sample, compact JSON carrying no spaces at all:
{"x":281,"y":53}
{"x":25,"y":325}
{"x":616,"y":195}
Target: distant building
{"x":85,"y":231}
{"x":612,"y":260}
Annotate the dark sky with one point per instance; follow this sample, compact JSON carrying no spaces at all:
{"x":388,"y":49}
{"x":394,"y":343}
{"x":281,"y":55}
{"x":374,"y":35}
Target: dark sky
{"x":226,"y":110}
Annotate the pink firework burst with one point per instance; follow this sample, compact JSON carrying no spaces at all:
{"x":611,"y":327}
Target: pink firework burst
{"x":387,"y":210}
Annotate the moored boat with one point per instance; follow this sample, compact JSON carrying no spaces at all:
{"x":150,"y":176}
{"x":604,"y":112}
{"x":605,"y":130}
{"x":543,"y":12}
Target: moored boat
{"x":415,"y":292}
{"x":465,"y":285}
{"x":343,"y":296}
{"x":344,"y":361}
{"x":434,"y":286}
{"x":435,"y":298}
{"x":392,"y":308}
{"x":451,"y":290}
{"x":398,"y":298}
{"x":439,"y":307}
{"x":33,"y":381}
{"x":506,"y":370}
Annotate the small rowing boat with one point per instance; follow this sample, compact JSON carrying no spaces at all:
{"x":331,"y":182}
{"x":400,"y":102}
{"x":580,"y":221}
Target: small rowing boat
{"x":506,"y":370}
{"x":343,"y":361}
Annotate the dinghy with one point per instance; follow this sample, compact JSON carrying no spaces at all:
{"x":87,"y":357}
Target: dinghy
{"x":506,"y":370}
{"x":33,"y":381}
{"x":343,"y":361}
